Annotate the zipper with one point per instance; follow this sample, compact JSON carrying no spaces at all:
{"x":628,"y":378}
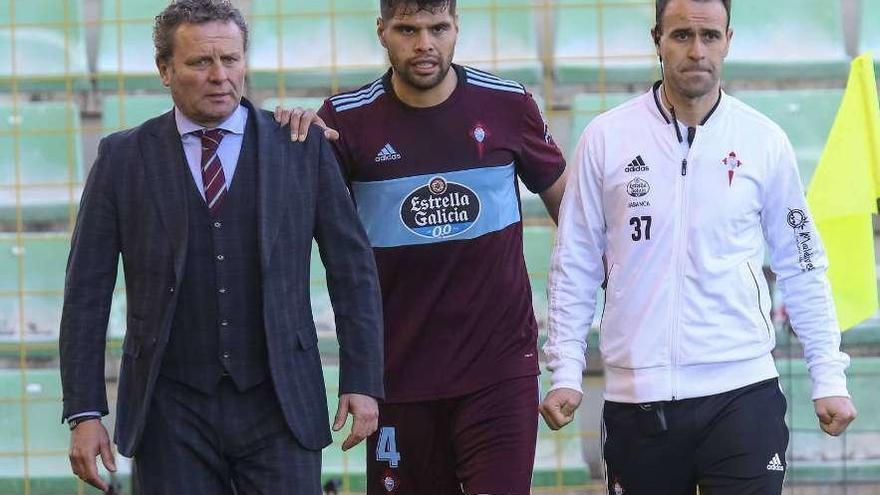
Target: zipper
{"x":678,"y":259}
{"x":758,"y":291}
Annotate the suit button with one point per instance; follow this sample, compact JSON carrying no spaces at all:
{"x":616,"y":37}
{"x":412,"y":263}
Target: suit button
{"x":222,"y":290}
{"x":224,"y":323}
{"x":171,"y":290}
{"x":220,"y":257}
{"x":225,"y":355}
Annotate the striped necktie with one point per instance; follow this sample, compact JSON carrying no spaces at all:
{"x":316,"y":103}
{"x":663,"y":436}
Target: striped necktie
{"x":212,"y":170}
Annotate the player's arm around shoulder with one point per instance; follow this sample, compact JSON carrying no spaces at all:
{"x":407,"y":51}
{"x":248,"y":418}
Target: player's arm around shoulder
{"x":300,"y":121}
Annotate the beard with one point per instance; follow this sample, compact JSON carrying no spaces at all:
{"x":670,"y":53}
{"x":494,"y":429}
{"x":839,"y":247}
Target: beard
{"x":405,"y":73}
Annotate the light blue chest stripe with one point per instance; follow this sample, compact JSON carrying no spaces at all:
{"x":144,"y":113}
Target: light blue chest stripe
{"x":379,"y":206}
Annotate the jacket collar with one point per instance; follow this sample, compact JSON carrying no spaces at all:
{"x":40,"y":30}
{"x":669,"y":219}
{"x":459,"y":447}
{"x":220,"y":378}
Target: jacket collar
{"x":668,"y":117}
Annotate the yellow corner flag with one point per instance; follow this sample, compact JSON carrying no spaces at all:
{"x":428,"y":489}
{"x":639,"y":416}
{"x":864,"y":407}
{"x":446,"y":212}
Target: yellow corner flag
{"x":843,"y":195}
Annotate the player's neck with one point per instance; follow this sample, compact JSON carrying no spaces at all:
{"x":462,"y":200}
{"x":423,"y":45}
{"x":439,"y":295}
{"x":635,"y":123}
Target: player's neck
{"x":424,"y":98}
{"x":689,"y":111}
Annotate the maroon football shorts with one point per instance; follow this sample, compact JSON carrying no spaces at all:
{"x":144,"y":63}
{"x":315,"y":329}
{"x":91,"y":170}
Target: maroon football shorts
{"x":479,"y":443}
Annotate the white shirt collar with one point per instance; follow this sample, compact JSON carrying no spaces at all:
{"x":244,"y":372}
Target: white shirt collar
{"x":233,"y":124}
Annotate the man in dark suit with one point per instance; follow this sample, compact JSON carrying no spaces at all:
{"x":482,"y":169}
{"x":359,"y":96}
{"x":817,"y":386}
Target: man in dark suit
{"x":214,"y":209}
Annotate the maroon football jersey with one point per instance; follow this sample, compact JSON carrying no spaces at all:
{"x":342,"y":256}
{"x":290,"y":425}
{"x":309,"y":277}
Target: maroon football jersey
{"x":436,"y":190}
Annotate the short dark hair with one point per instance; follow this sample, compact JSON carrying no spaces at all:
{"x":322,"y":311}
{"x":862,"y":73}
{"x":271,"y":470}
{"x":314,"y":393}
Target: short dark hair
{"x":388,"y":8}
{"x":193,"y":12}
{"x":661,"y":7}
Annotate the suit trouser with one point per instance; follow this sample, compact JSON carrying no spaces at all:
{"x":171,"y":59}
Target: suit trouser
{"x":731,"y":443}
{"x":213,"y":444}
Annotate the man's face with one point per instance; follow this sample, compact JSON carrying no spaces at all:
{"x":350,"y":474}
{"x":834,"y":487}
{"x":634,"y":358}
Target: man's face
{"x":206,"y":71}
{"x":693,"y":45}
{"x":420,"y":45}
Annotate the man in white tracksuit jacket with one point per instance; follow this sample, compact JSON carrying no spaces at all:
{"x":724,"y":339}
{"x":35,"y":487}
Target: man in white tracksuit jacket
{"x":671,"y":200}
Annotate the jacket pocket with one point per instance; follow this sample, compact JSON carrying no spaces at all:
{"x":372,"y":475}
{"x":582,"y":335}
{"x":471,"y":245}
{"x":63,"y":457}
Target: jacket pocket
{"x":759,"y":300}
{"x":608,"y":294}
{"x":628,"y":337}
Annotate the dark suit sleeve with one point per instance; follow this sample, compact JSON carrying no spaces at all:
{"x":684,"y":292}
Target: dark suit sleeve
{"x":351,"y":279}
{"x":88,"y":291}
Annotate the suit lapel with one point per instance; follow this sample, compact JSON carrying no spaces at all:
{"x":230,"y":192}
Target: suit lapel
{"x":166,"y":175}
{"x":273,"y":179}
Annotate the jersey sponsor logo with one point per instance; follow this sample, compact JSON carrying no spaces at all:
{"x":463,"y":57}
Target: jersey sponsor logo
{"x":440,"y":209}
{"x":387,"y":154}
{"x":775,"y":464}
{"x":637,"y":165}
{"x":385,"y":206}
{"x":798,"y":221}
{"x":639,"y":204}
{"x":638,"y":187}
{"x":732,"y":163}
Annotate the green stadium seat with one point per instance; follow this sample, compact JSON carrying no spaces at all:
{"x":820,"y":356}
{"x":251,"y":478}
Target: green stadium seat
{"x":297,"y":44}
{"x":49,"y":52}
{"x":805,"y":115}
{"x":866,"y":333}
{"x":606,"y":41}
{"x":34,"y":282}
{"x":41,"y":156}
{"x":499,"y":36}
{"x":787,"y":39}
{"x":816,"y":457}
{"x":31,"y":297}
{"x":36,"y":456}
{"x":123,"y":112}
{"x":126,"y":57}
{"x":585,"y":107}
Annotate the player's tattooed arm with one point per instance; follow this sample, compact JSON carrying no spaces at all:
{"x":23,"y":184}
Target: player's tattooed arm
{"x":300,"y":119}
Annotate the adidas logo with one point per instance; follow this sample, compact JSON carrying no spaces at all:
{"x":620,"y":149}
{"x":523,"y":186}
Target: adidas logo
{"x":387,"y":154}
{"x":775,"y":464}
{"x":637,"y":165}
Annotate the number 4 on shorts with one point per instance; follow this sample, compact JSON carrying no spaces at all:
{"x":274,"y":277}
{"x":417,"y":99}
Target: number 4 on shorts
{"x":386,"y":447}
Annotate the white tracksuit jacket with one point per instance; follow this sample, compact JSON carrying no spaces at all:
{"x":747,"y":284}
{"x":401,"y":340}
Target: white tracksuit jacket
{"x":682,"y":233}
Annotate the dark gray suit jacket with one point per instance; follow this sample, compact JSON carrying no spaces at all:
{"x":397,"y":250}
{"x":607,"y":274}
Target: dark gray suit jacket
{"x":134,"y":204}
